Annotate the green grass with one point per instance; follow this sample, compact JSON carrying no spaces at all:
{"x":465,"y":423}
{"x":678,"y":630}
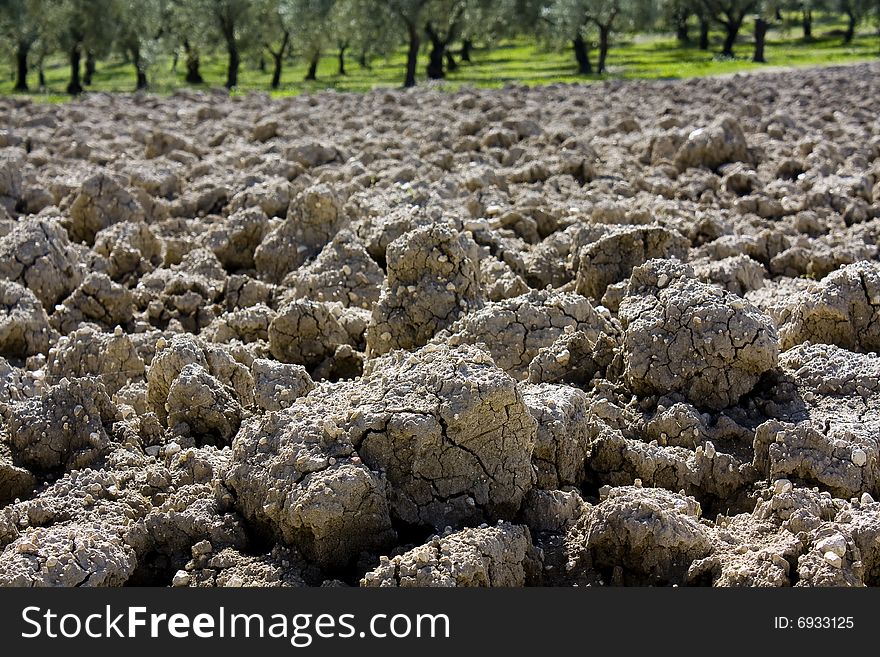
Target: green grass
{"x":519,"y":62}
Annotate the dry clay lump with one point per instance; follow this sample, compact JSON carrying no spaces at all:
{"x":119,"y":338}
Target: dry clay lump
{"x":111,"y":357}
{"x":714,"y":145}
{"x":38,"y":255}
{"x":314,"y":217}
{"x":342,"y":272}
{"x":484,"y":556}
{"x":209,"y":395}
{"x":686,"y":336}
{"x":514,"y":330}
{"x":639,"y":536}
{"x":842,"y":309}
{"x":827,"y":431}
{"x":433,"y":278}
{"x":69,"y":427}
{"x":611,"y":258}
{"x":24,"y":327}
{"x":437,"y":438}
{"x":305,"y":333}
{"x":101,"y":202}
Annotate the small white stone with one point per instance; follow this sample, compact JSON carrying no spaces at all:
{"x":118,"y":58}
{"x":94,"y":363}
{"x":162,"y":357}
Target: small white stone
{"x":866,"y":499}
{"x":710,"y":449}
{"x":662,"y":280}
{"x":235,"y":582}
{"x":171,"y":449}
{"x":782,"y":486}
{"x":833,"y":559}
{"x":563,"y":357}
{"x":181,"y":578}
{"x":835,"y":543}
{"x":859,"y":457}
{"x":385,"y":337}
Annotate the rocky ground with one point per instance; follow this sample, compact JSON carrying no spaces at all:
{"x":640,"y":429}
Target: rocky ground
{"x":621,"y":334}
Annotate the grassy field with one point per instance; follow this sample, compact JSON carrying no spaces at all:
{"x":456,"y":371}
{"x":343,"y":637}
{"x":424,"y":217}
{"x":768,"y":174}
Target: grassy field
{"x":521,"y":62}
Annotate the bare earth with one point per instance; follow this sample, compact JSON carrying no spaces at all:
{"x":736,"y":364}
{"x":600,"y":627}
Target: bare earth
{"x":619,"y":334}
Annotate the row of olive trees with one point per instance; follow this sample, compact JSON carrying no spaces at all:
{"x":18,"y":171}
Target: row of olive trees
{"x":85,"y":31}
{"x":586,"y":21}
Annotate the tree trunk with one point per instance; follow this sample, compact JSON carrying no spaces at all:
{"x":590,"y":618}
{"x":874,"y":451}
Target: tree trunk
{"x":435,"y":56}
{"x":193,"y":75}
{"x":681,"y":29}
{"x":74,"y":87}
{"x":704,"y":33}
{"x":278,"y":60}
{"x":234,"y":62}
{"x":412,"y":55}
{"x":140,"y":73}
{"x":850,"y":26}
{"x":276,"y":70}
{"x":174,"y":57}
{"x":731,"y":29}
{"x":808,"y":24}
{"x":466,"y":46}
{"x":363,"y":61}
{"x":21,"y":59}
{"x":90,"y":68}
{"x":312,"y":73}
{"x":451,"y":64}
{"x":41,"y":74}
{"x":760,"y":37}
{"x":341,"y":58}
{"x":261,"y":65}
{"x":582,"y":55}
{"x":604,"y":33}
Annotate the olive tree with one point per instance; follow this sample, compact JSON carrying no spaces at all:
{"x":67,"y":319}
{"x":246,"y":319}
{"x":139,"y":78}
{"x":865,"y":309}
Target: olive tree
{"x":139,"y":30}
{"x":274,"y":34}
{"x":410,"y":14}
{"x":79,"y":27}
{"x":20,"y":28}
{"x":579,"y":20}
{"x":856,"y":11}
{"x":310,"y":22}
{"x":730,"y":15}
{"x":443,"y":25}
{"x":363,"y":29}
{"x":571,"y":19}
{"x":228,"y":21}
